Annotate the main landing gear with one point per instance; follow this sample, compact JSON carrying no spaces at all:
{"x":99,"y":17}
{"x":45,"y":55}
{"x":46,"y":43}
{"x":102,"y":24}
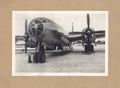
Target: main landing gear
{"x":89,"y":48}
{"x":39,"y":56}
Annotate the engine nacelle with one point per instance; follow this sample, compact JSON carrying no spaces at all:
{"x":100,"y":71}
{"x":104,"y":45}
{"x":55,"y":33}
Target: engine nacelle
{"x":88,"y":35}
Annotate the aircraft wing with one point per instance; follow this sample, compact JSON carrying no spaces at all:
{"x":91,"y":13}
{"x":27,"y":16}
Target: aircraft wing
{"x":100,"y":42}
{"x":74,"y":37}
{"x":75,"y":33}
{"x":99,"y":34}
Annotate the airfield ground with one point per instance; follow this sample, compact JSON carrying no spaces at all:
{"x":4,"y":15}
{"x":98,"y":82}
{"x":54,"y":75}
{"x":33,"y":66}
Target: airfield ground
{"x":75,"y":61}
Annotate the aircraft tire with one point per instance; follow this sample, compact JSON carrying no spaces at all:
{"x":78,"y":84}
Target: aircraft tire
{"x":86,"y":48}
{"x":35,"y":58}
{"x":91,"y":48}
{"x":41,"y":57}
{"x":60,"y":47}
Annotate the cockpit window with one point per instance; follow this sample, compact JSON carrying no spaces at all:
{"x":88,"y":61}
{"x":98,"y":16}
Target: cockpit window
{"x":30,"y":32}
{"x":36,"y":27}
{"x":44,"y":21}
{"x":34,"y":31}
{"x":38,"y":32}
{"x":37,"y":21}
{"x":40,"y":27}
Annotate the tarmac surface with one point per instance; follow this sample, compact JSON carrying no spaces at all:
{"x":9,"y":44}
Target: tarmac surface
{"x":75,"y":61}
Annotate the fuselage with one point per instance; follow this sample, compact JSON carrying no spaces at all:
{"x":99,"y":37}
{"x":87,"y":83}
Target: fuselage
{"x":46,"y":31}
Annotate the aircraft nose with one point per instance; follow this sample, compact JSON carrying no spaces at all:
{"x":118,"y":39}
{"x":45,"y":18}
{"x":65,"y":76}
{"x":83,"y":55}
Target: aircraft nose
{"x":39,"y":29}
{"x":32,"y":42}
{"x":35,"y":28}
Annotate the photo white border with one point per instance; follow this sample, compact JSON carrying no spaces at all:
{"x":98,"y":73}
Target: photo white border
{"x":62,"y":74}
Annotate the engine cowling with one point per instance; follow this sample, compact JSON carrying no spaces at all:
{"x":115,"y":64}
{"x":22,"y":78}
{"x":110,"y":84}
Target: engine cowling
{"x":88,"y":35}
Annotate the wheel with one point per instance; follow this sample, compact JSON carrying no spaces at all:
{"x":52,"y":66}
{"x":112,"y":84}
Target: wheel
{"x":60,"y":47}
{"x":91,"y":48}
{"x":41,"y":57}
{"x":35,"y":58}
{"x":86,"y":48}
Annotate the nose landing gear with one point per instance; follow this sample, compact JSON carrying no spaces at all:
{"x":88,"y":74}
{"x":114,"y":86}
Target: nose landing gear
{"x":39,"y":56}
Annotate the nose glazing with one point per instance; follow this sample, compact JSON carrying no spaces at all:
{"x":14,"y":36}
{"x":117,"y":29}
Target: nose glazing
{"x":36,"y":28}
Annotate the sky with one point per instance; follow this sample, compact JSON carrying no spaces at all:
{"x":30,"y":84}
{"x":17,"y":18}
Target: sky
{"x":98,"y":19}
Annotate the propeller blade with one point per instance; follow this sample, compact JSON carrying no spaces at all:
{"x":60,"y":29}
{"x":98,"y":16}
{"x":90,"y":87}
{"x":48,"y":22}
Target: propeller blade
{"x":72,"y":27}
{"x":88,"y":21}
{"x":26,"y":36}
{"x":101,"y":31}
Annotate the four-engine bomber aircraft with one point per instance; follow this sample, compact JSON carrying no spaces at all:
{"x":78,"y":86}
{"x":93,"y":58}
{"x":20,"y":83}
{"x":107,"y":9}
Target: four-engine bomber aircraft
{"x":43,"y":32}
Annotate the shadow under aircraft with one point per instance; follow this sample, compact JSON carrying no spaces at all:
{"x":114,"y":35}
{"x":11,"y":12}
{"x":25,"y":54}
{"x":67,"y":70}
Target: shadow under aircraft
{"x":44,"y":34}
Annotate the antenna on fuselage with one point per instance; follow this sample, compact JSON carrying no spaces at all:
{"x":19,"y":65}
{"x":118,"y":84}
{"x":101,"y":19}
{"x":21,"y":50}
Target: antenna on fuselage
{"x":88,"y":21}
{"x":72,"y":27}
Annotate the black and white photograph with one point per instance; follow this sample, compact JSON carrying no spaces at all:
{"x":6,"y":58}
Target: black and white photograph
{"x":60,"y":43}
